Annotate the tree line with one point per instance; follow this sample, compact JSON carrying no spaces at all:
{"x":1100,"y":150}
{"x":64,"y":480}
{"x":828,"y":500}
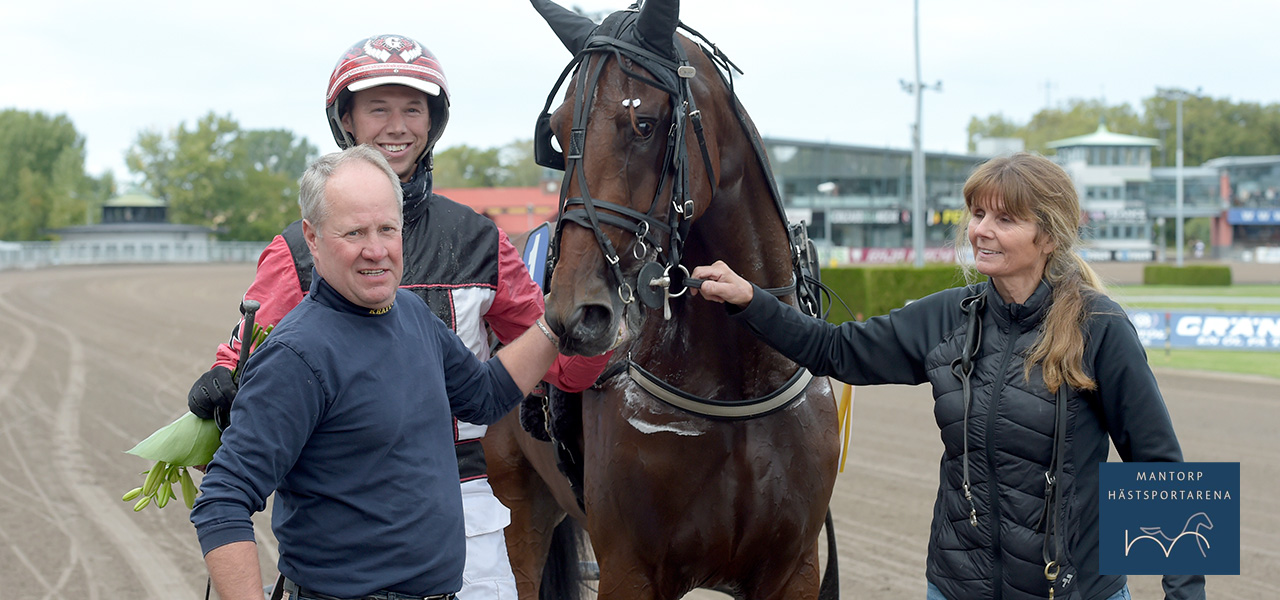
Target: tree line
{"x":213,"y":172}
{"x":1211,"y":127}
{"x":243,"y":182}
{"x":42,"y":180}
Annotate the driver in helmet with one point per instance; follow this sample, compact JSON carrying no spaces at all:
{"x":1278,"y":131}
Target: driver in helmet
{"x":390,"y":92}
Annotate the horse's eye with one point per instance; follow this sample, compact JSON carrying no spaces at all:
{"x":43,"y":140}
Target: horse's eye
{"x":644,"y":128}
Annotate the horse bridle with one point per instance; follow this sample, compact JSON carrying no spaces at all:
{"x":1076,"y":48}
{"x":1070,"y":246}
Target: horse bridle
{"x":671,"y":75}
{"x":650,"y":229}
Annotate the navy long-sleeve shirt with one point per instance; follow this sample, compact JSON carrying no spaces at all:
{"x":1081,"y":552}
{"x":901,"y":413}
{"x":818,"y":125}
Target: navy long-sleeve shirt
{"x":345,"y":415}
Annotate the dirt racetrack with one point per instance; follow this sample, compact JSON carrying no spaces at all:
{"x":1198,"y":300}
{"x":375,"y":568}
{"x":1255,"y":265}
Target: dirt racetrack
{"x":94,"y":359}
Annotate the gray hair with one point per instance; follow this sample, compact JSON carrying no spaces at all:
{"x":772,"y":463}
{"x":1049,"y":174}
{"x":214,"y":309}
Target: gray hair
{"x":311,"y":198}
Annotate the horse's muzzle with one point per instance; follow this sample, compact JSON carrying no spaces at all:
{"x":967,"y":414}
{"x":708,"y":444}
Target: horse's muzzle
{"x":589,"y":330}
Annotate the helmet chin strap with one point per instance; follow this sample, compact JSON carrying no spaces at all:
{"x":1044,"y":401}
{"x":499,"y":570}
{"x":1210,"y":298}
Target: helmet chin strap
{"x":428,"y":154}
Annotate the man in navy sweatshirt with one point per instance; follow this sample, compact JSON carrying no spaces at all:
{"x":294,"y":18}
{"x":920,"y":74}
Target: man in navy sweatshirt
{"x":345,"y":412}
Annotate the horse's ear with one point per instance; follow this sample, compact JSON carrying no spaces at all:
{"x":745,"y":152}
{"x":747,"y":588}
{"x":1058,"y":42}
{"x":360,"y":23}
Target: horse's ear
{"x":657,"y":25}
{"x":572,"y":28}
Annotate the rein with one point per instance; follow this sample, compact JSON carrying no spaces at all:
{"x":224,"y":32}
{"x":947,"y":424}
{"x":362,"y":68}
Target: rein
{"x":656,"y":280}
{"x":1053,"y":495}
{"x":962,"y":368}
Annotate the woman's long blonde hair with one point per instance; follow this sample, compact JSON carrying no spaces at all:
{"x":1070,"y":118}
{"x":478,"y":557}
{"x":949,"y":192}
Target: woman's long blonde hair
{"x":1032,"y":187}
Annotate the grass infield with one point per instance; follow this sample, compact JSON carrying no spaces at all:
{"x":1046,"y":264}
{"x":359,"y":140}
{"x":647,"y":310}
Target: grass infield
{"x":1264,"y":363}
{"x":1259,"y":299}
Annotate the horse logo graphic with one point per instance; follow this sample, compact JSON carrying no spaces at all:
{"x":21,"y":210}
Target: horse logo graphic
{"x":1194,"y":524}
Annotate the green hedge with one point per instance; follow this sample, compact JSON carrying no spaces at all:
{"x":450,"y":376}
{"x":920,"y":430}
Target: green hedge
{"x":876,"y":290}
{"x":1186,"y":275}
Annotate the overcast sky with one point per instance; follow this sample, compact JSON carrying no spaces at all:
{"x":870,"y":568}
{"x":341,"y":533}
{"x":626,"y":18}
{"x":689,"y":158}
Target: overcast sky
{"x":820,"y":70}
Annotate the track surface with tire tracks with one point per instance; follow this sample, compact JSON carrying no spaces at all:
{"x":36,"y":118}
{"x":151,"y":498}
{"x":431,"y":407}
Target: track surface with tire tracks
{"x":93,"y":359}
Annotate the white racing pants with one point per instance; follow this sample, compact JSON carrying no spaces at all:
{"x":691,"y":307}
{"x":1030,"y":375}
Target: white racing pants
{"x":487,"y":575}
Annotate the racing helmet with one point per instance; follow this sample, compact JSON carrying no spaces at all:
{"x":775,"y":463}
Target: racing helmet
{"x":387,"y":60}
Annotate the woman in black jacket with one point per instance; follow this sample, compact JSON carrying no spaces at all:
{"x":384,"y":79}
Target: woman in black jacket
{"x":1002,"y":356}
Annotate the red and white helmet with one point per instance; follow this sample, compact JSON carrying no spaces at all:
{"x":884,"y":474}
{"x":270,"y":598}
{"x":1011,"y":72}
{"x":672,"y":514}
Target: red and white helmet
{"x":387,"y":60}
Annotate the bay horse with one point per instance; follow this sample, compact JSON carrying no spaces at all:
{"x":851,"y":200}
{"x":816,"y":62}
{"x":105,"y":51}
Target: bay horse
{"x":707,"y":459}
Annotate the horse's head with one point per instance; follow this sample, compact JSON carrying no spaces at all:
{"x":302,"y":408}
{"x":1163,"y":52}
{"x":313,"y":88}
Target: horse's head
{"x":640,"y":166}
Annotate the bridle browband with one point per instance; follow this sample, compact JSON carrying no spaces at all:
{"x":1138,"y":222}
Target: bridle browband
{"x":671,"y":74}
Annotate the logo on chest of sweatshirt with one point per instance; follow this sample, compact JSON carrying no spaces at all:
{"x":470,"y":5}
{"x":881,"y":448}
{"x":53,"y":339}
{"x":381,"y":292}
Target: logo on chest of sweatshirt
{"x":1169,"y":518}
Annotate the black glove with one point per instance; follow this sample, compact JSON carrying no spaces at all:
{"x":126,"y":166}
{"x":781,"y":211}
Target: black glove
{"x":211,"y":396}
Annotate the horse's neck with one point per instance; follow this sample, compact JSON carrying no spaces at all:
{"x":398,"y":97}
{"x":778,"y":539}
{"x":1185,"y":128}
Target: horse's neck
{"x":744,"y":228}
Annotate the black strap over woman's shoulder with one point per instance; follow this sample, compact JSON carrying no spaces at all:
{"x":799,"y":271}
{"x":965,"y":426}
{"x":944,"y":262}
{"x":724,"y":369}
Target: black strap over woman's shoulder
{"x":971,"y":307}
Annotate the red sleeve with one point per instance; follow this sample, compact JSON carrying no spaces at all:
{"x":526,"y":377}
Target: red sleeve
{"x":518,"y":303}
{"x":277,"y":289}
{"x":576,"y":373}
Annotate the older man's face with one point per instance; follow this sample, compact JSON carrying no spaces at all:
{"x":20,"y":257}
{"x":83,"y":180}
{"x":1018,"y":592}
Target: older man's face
{"x":357,"y":247}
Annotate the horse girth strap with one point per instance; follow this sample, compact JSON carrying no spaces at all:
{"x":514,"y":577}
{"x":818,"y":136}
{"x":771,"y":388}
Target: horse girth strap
{"x":780,"y":398}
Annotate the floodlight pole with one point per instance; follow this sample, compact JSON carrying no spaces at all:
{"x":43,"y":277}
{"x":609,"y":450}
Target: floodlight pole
{"x":1178,"y":96}
{"x":917,"y":154}
{"x":1178,"y":192}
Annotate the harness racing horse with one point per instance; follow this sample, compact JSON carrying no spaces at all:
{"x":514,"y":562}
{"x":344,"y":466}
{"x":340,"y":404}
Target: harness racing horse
{"x":708,"y":459}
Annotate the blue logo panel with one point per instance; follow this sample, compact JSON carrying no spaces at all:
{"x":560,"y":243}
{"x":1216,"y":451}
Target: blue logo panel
{"x":535,"y":254}
{"x":1207,"y":329}
{"x":1253,"y":216}
{"x":1169,"y":518}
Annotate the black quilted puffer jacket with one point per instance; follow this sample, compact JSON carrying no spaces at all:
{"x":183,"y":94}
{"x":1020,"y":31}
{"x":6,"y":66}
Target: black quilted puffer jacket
{"x":1010,"y":427}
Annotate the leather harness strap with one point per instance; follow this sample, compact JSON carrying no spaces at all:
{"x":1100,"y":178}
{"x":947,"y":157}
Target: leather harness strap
{"x":719,"y":409}
{"x":671,"y":74}
{"x":1053,"y":493}
{"x":962,"y":367}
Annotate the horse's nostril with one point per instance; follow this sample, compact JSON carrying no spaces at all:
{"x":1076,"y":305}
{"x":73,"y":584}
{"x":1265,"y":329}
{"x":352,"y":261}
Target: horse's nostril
{"x":590,"y":321}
